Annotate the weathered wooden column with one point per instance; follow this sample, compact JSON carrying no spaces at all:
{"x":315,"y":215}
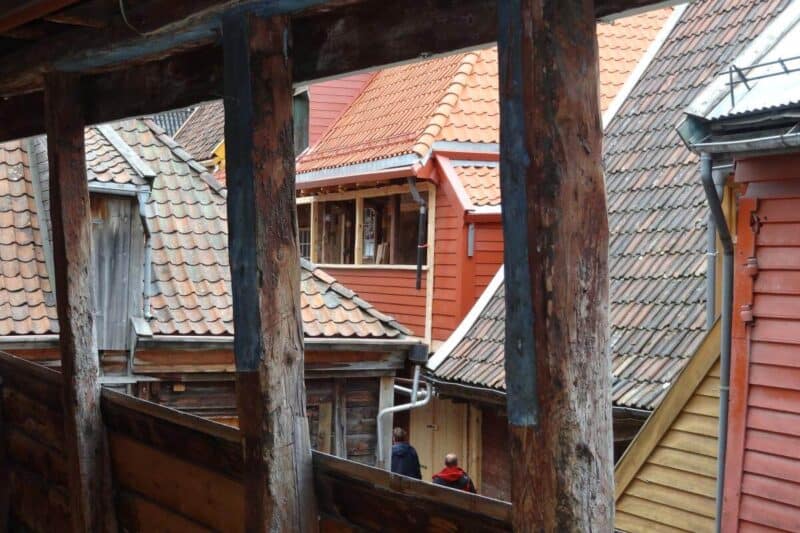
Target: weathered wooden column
{"x":556,"y":235}
{"x":265,"y":274}
{"x":86,"y":446}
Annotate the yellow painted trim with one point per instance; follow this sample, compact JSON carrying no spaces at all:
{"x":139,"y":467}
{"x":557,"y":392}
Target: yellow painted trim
{"x":665,"y":414}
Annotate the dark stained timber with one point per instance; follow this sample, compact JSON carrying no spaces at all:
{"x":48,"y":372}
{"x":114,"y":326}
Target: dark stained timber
{"x":265,"y":275}
{"x":556,"y":234}
{"x":85,"y":441}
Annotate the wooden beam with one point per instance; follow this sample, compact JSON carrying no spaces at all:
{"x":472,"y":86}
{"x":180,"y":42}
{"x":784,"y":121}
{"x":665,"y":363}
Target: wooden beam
{"x":265,"y":274}
{"x":14,"y":14}
{"x":86,"y":450}
{"x":556,"y":234}
{"x":5,"y":473}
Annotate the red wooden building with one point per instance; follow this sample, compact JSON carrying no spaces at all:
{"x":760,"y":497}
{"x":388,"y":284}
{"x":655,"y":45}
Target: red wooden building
{"x":721,"y":453}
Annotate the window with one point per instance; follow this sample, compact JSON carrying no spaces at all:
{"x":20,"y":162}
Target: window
{"x":304,"y":227}
{"x":369,"y":230}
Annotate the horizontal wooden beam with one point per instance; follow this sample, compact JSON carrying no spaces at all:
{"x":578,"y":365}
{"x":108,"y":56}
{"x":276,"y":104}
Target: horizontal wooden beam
{"x":155,"y":29}
{"x":14,"y":14}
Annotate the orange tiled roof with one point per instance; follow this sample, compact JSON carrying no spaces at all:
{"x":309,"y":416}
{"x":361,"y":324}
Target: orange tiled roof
{"x":481,"y":183}
{"x":187,"y":220}
{"x":405,"y":109}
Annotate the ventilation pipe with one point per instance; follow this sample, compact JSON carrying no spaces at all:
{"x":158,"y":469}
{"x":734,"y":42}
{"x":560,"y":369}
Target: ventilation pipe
{"x":423,"y":228}
{"x":419,"y":398}
{"x":721,"y":224}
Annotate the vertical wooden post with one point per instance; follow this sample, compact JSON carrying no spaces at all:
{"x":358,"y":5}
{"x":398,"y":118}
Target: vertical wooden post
{"x":358,"y":254}
{"x":89,"y":468}
{"x":556,"y":234}
{"x":5,"y":475}
{"x":265,"y":274}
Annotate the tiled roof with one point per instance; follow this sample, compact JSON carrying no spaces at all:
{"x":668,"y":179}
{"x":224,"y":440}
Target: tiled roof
{"x":26,"y":296}
{"x":478,"y":358}
{"x":171,"y":121}
{"x":405,"y":109}
{"x":481,"y":183}
{"x":203,"y":130}
{"x":392,"y":114}
{"x":657,"y":212}
{"x":187,"y":220}
{"x":105,"y":164}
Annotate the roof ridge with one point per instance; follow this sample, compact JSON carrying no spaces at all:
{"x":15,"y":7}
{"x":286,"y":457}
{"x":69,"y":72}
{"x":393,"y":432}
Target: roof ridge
{"x":179,"y":151}
{"x":446,"y":104}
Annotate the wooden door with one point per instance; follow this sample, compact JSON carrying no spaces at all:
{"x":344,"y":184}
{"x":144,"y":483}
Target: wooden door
{"x":439,"y":428}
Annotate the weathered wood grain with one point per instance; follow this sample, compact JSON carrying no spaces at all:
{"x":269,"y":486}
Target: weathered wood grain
{"x":371,"y":499}
{"x":5,"y":474}
{"x":202,"y":442}
{"x":136,"y":513}
{"x":556,"y":235}
{"x":265,"y":274}
{"x":86,"y":448}
{"x":181,"y":486}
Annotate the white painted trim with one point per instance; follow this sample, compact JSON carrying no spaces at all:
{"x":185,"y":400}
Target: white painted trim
{"x":644,"y":62}
{"x":444,"y":351}
{"x":454,"y":180}
{"x":711,"y":96}
{"x":486,"y":210}
{"x":308,"y":178}
{"x":197,"y":106}
{"x":460,"y":146}
{"x":637,"y":10}
{"x":326,"y":266}
{"x":474,"y":163}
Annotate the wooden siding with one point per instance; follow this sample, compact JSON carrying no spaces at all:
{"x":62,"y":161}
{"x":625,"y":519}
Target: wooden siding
{"x":176,"y":472}
{"x":328,"y":99}
{"x":117,"y":253}
{"x":452,"y":275}
{"x":392,"y":291}
{"x":488,"y":254}
{"x":666,"y":480}
{"x":763,"y":464}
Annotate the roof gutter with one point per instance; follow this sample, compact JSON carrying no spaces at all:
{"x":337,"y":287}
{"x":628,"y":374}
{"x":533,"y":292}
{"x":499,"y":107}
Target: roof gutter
{"x":218,"y":342}
{"x":28,"y":342}
{"x":788,"y":140}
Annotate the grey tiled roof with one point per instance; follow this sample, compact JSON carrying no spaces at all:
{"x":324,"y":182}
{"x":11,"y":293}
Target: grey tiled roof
{"x":203,"y":130}
{"x":657,"y":210}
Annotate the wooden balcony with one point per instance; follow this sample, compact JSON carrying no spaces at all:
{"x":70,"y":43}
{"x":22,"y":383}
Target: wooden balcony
{"x":172,"y":471}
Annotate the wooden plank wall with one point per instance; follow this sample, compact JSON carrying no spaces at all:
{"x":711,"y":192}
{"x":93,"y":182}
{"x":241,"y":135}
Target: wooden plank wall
{"x":32,"y":433}
{"x":173,"y":471}
{"x":488,"y":254}
{"x":450,"y":254}
{"x":177,"y":472}
{"x":393,"y":291}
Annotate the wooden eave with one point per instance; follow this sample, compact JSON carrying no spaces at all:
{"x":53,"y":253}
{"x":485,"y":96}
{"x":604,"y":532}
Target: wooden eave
{"x":174,"y":58}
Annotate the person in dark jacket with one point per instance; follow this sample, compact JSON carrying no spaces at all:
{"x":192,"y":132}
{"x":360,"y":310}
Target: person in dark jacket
{"x":453,"y":476}
{"x":404,"y":456}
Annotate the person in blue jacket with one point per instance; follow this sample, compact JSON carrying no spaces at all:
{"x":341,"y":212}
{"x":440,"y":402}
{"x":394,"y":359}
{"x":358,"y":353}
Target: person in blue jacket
{"x":404,"y":456}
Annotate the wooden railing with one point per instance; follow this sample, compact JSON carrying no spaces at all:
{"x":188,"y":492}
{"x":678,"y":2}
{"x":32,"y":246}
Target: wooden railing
{"x":177,"y":472}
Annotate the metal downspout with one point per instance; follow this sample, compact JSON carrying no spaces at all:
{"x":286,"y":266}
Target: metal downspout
{"x":717,"y":214}
{"x":423,"y":228}
{"x":415,"y":393}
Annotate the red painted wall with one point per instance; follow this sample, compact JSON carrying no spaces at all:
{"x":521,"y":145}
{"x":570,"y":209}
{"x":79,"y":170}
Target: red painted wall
{"x":391,"y":291}
{"x":328,"y":99}
{"x":762,"y":488}
{"x":488,"y":253}
{"x":448,"y":273}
